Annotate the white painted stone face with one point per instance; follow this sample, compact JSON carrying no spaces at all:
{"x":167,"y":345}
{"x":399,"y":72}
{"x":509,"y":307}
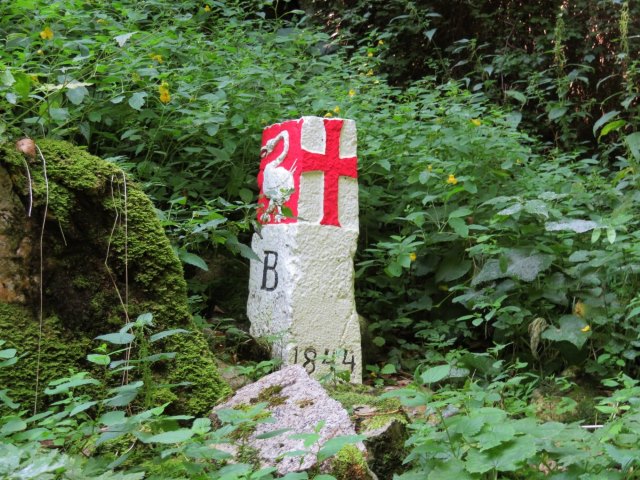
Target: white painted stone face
{"x":301,"y":295}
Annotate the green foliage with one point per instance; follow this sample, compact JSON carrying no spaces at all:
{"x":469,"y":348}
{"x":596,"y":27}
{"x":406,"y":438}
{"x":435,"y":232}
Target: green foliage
{"x":486,"y":429}
{"x":81,"y":436}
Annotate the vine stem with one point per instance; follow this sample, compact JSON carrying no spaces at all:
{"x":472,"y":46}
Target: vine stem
{"x":41,"y":306}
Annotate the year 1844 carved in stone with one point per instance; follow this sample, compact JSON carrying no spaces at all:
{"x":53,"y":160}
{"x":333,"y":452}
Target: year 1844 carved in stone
{"x":301,"y":291}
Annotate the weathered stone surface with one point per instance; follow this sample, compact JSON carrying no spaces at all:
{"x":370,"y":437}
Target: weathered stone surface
{"x":301,"y":291}
{"x":300,"y":404}
{"x":88,"y":251}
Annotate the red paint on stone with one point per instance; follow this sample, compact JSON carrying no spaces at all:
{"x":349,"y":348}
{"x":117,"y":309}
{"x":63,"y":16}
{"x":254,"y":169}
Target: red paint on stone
{"x":299,"y":161}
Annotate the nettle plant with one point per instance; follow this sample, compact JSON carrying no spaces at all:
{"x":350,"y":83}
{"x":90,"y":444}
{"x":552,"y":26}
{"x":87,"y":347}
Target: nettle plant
{"x":482,"y":428}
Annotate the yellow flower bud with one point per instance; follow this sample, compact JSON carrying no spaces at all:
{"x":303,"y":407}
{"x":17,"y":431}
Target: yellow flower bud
{"x":163,"y":89}
{"x":452,"y":180}
{"x":476,"y":122}
{"x":46,"y":34}
{"x":352,"y":92}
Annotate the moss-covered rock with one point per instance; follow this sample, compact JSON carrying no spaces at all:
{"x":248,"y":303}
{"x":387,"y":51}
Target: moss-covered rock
{"x":382,"y":420}
{"x":105,"y":260}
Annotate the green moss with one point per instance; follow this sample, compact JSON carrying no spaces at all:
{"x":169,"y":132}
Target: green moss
{"x":61,"y":352}
{"x":350,"y":464}
{"x":271,"y":395}
{"x":86,"y":202}
{"x":386,"y":409}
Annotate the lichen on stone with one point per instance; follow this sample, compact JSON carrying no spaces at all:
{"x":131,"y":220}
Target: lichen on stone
{"x":103,"y":246}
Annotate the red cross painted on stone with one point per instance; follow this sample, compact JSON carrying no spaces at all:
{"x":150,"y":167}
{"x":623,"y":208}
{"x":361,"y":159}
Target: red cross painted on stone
{"x":333,"y":168}
{"x":297,"y":160}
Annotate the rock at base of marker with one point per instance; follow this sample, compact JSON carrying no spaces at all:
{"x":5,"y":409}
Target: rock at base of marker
{"x":300,"y":405}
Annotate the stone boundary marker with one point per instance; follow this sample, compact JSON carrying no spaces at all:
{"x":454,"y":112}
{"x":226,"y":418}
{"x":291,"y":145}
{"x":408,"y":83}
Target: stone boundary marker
{"x":301,"y":295}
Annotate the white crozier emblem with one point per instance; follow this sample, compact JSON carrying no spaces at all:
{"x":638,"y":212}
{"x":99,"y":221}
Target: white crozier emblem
{"x":277,"y":181}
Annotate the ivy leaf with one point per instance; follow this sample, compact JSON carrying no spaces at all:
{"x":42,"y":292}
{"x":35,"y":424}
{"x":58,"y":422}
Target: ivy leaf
{"x":136,"y":101}
{"x":569,"y":329}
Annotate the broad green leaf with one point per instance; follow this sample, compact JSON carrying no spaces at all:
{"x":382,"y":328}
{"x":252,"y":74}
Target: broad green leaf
{"x":571,"y":225}
{"x":6,"y":400}
{"x":136,"y":101}
{"x":296,"y":476}
{"x":99,"y":359}
{"x":201,"y":426}
{"x":452,"y":268}
{"x":8,"y":353}
{"x":388,"y":369}
{"x":76,"y":93}
{"x":68,"y":384}
{"x":174,"y":436}
{"x":459,"y":226}
{"x":611,"y":235}
{"x":12,"y":425}
{"x":557,"y":112}
{"x":522,"y":265}
{"x":167,"y":333}
{"x":449,"y":469}
{"x":519,"y":96}
{"x":633,"y":142}
{"x":494,"y":435}
{"x":193,"y":259}
{"x":394,"y":269}
{"x":59,"y":114}
{"x":570,"y":329}
{"x":435,"y":374}
{"x":604,"y":119}
{"x":7,"y":78}
{"x":508,"y":457}
{"x":120,"y":338}
{"x":81,"y":408}
{"x":513,"y":209}
{"x":611,"y":127}
{"x":460,"y":212}
{"x":112,"y":418}
{"x":247,"y":252}
{"x":537,"y":207}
